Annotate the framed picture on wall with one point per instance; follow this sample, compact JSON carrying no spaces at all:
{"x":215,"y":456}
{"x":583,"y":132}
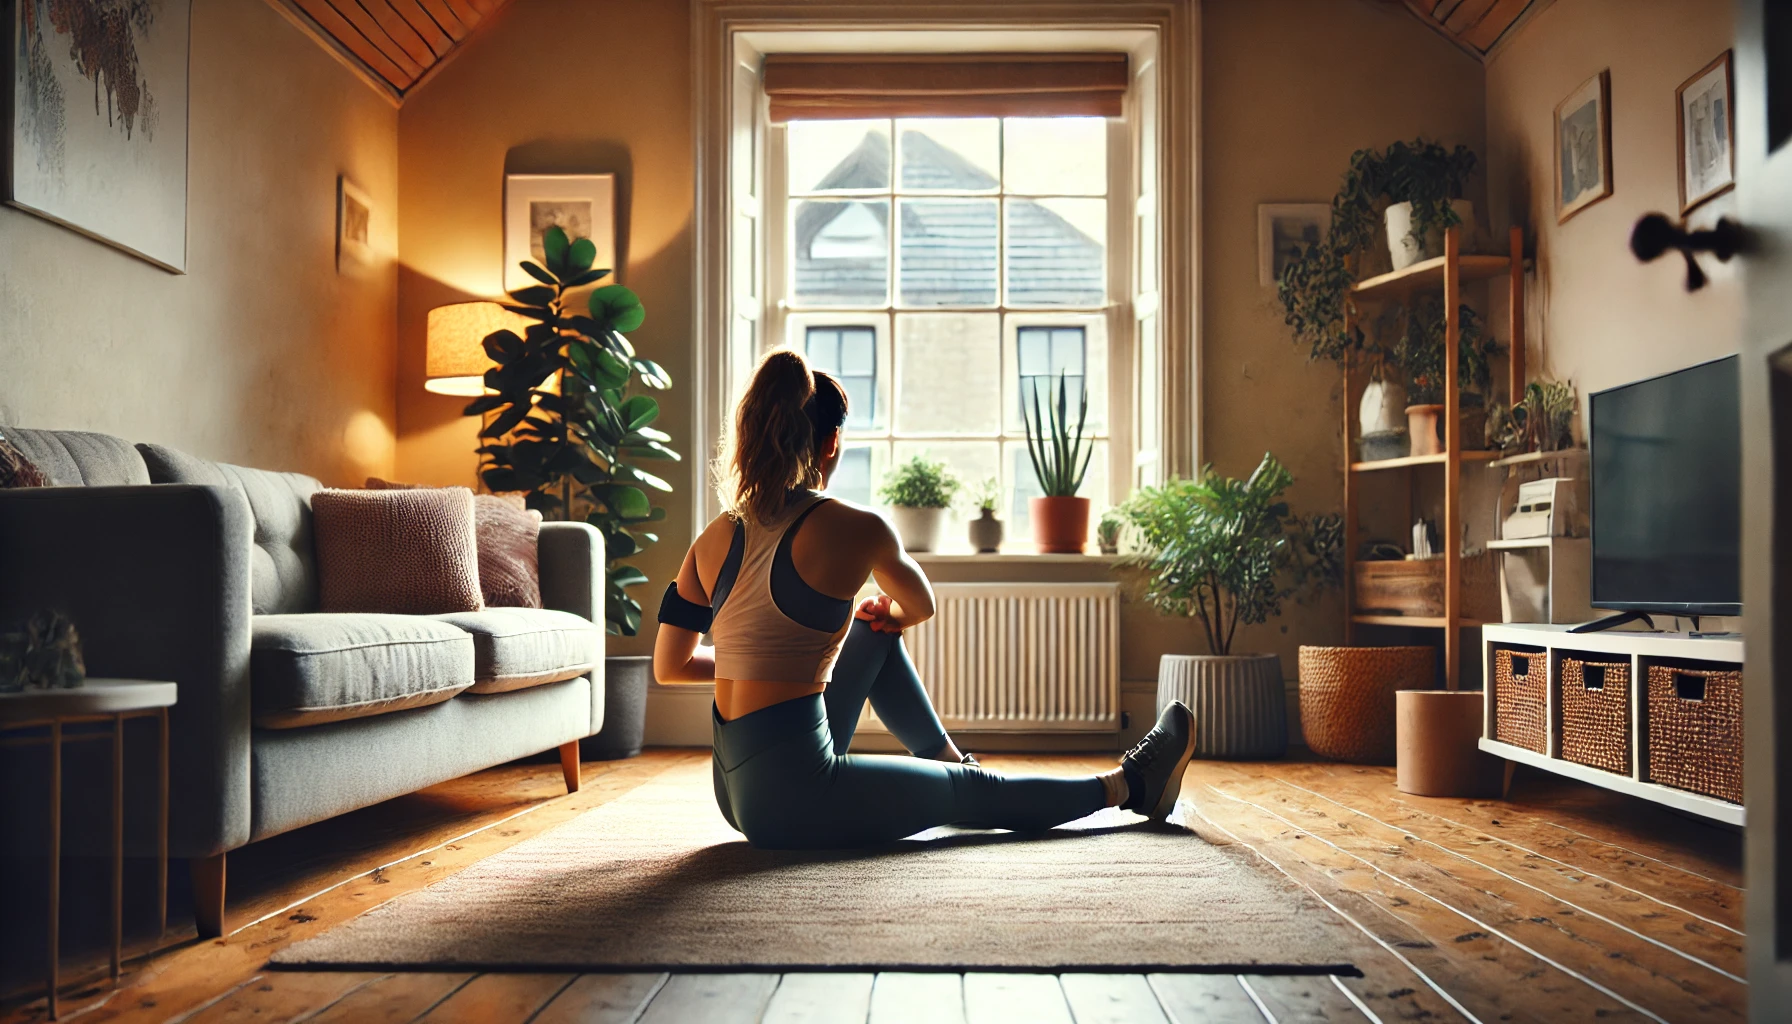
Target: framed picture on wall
{"x":1584,"y":146}
{"x":354,"y":226}
{"x":1283,"y":228}
{"x":583,"y":205}
{"x":98,"y":121}
{"x":1707,"y":127}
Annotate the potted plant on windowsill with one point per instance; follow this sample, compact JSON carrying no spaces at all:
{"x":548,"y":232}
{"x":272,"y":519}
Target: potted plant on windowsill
{"x":986,"y":529}
{"x":1228,"y":552}
{"x":572,"y":446}
{"x":1060,"y":456}
{"x":919,"y":492}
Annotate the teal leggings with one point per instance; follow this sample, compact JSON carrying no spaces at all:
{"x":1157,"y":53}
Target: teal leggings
{"x":784,"y":780}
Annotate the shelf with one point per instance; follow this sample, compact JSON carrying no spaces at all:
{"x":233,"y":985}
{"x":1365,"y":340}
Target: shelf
{"x":1516,"y":460}
{"x":1520,"y":543}
{"x":1420,"y":460}
{"x":1679,"y":799}
{"x":1416,"y":621}
{"x":1430,"y":274}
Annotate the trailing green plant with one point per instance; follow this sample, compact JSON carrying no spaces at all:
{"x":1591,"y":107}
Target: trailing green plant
{"x":919,"y":483}
{"x":987,"y":495}
{"x":1060,"y":453}
{"x":1420,"y":352}
{"x":1228,"y":552}
{"x":566,"y":420}
{"x":1314,"y":287}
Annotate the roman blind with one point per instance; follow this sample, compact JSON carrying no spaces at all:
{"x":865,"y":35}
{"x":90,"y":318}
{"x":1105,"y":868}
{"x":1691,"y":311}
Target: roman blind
{"x":841,"y":86}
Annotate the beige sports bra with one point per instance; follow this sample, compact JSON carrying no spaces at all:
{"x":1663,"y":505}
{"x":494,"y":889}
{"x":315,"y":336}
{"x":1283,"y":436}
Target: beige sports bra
{"x":769,"y":624}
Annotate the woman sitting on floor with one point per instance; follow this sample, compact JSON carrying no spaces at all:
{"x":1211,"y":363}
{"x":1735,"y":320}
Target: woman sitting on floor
{"x":772,"y":581}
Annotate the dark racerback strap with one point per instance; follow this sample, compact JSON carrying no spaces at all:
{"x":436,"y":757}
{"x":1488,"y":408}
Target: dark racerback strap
{"x":737,"y":549}
{"x":795,"y":598}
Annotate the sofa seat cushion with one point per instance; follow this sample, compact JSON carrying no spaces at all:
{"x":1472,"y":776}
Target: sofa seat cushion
{"x":518,"y":647}
{"x":311,"y":669}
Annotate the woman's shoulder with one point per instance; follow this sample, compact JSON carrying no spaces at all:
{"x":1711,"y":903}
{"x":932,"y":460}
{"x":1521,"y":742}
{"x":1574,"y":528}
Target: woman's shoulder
{"x":847,"y":516}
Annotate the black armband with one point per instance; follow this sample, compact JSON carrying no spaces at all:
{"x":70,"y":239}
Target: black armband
{"x":676,"y":611}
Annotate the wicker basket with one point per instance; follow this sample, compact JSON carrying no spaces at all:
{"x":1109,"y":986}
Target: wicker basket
{"x":1520,"y":711}
{"x":1347,"y":697}
{"x":1695,"y":727}
{"x":1596,"y":713}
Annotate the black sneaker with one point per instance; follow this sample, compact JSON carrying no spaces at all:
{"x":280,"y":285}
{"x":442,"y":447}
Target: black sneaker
{"x":1154,"y":767}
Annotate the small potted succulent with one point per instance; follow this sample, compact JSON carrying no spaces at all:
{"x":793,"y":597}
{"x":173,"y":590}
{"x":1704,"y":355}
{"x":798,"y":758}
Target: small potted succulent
{"x":1225,"y":553}
{"x":1107,"y":532}
{"x":986,"y":529}
{"x":919,"y":493}
{"x":1060,"y":455}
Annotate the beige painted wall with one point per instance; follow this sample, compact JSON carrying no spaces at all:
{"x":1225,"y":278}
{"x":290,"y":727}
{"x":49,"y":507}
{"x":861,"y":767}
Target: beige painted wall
{"x":261,"y":354}
{"x":553,"y":86}
{"x":1597,"y":316}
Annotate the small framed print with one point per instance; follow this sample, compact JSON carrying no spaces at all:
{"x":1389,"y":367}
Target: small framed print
{"x":1284,"y":229}
{"x":1583,"y":145}
{"x":1707,"y":129}
{"x":582,"y":205}
{"x":354,"y":226}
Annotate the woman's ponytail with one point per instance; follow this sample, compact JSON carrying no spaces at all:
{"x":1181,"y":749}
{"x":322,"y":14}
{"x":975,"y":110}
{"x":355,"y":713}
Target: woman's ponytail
{"x":774,"y":440}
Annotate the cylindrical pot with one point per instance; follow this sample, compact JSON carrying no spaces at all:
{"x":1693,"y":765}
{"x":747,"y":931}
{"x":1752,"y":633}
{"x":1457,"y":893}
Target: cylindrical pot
{"x":919,"y":528}
{"x":1347,"y":697}
{"x":1405,"y":250}
{"x":1239,"y":701}
{"x":1421,"y":427}
{"x":986,"y":532}
{"x":1383,"y":408}
{"x":1060,"y":525}
{"x":1436,"y":751}
{"x":625,"y":710}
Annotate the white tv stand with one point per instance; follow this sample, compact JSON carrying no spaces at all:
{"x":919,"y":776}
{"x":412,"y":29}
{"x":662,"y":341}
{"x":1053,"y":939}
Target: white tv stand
{"x":1638,"y":647}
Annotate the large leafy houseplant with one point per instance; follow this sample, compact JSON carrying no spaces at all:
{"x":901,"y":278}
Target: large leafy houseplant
{"x":566,"y":420}
{"x":1228,"y":552}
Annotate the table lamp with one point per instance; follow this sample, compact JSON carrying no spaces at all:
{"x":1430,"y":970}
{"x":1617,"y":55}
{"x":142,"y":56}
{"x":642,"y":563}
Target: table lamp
{"x":455,"y":361}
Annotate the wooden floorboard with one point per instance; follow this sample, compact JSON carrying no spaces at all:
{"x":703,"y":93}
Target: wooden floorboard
{"x":1562,"y":902}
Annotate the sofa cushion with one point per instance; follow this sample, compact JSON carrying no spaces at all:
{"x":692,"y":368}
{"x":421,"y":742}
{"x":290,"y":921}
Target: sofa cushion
{"x":311,"y":669}
{"x":283,"y":567}
{"x":412,"y":552}
{"x":518,"y":647}
{"x":74,"y":458}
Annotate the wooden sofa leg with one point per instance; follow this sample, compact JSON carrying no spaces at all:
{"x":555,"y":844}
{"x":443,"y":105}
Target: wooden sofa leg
{"x":208,"y":895}
{"x":569,"y":765}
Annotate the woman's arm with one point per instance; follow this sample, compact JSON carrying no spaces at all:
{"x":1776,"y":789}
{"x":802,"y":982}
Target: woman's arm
{"x":900,"y":577}
{"x":677,"y":656}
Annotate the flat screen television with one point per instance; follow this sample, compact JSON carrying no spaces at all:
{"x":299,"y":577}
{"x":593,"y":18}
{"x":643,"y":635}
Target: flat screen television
{"x":1667,"y":492}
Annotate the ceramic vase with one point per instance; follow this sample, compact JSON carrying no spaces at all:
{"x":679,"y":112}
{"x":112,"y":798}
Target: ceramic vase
{"x":919,"y":528}
{"x":986,"y":532}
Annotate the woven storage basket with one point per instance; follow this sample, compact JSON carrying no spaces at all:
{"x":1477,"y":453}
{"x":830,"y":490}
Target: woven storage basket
{"x":1596,"y":713}
{"x":1347,"y":697}
{"x":1519,"y":697}
{"x":1695,"y":728}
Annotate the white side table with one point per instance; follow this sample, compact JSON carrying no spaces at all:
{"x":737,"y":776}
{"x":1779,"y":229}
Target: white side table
{"x":96,"y":700}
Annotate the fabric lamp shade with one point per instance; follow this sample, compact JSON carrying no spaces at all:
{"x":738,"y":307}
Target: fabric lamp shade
{"x":455,"y":361}
{"x":832,"y":86}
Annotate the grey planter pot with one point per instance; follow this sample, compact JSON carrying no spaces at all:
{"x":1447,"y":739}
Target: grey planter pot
{"x":1239,"y":701}
{"x":625,"y":710}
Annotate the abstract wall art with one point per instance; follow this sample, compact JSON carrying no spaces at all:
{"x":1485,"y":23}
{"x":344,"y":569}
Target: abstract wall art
{"x":98,"y":133}
{"x":1584,"y":146}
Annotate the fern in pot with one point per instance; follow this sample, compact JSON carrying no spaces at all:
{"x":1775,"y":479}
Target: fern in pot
{"x":1060,"y":455}
{"x":1228,"y":553}
{"x":919,"y":493}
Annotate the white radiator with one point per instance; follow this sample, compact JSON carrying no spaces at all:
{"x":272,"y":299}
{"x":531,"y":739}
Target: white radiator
{"x":1021,"y":657}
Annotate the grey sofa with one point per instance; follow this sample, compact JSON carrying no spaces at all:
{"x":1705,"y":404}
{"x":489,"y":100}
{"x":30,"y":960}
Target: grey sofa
{"x":176,"y":568}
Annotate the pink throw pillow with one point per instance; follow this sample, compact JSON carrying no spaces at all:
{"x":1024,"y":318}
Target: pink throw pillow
{"x":403,"y":552}
{"x":509,"y":534}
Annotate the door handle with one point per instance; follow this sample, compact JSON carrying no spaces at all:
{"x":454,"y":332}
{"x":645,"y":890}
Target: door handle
{"x":1655,"y":234}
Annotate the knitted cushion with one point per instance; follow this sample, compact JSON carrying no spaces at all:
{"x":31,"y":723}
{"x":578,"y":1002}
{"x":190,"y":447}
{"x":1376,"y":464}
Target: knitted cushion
{"x":509,"y":534}
{"x":407,"y":552}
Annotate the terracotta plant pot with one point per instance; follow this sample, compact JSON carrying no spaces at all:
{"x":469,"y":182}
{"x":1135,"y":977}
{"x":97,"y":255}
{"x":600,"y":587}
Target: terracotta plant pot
{"x":1421,"y":426}
{"x":985,"y":532}
{"x":1060,"y":525}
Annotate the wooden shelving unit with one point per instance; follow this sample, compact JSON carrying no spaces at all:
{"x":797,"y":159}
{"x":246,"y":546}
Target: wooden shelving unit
{"x":1446,"y":273}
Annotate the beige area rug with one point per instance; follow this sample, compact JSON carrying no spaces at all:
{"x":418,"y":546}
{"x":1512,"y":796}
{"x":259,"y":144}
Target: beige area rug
{"x":656,"y":880}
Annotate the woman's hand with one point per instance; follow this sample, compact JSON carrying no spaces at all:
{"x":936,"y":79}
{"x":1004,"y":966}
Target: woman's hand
{"x":877,"y":611}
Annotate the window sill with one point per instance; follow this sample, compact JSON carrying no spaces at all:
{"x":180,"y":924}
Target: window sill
{"x":1009,"y":558}
{"x":1016,"y":567}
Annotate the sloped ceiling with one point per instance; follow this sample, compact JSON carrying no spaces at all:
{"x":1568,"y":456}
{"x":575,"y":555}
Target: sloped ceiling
{"x":393,"y":42}
{"x":1475,"y":25}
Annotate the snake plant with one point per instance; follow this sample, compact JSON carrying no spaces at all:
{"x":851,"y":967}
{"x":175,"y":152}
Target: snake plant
{"x":1060,"y":455}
